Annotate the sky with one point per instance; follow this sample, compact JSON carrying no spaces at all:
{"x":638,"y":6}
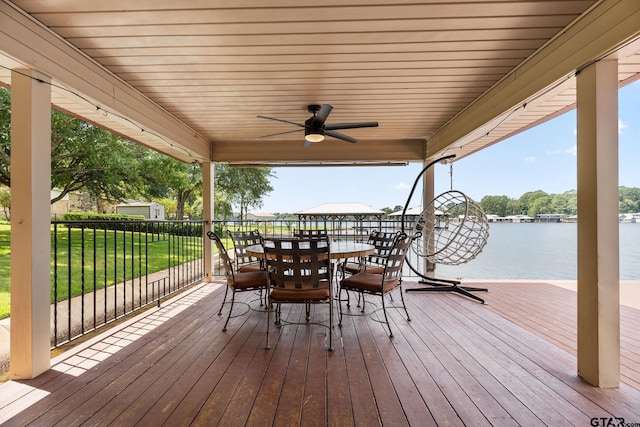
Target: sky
{"x":541,"y":158}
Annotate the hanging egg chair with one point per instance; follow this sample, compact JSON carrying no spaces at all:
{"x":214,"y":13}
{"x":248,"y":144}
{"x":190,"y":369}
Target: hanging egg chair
{"x":454,"y":227}
{"x":454,"y":231}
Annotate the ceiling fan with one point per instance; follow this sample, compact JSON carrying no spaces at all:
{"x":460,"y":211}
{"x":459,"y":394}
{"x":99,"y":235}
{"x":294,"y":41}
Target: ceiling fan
{"x":315,"y":128}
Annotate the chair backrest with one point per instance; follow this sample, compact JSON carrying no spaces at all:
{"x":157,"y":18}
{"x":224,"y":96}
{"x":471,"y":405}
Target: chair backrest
{"x":224,"y":256}
{"x":396,"y":256}
{"x":298,"y":264}
{"x":242,"y":239}
{"x":383,"y":243}
{"x":310,"y":234}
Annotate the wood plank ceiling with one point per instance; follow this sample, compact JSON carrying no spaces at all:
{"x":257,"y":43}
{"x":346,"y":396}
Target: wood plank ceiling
{"x":215,"y":65}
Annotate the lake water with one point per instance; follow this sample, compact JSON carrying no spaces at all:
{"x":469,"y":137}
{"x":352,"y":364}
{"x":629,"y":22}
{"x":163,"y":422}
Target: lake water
{"x":539,"y":251}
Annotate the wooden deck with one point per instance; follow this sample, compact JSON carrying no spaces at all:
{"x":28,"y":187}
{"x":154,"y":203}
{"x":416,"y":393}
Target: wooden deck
{"x":510,"y":362}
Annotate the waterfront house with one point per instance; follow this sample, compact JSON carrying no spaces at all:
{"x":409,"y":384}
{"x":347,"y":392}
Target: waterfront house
{"x":189,"y":79}
{"x":549,"y":217}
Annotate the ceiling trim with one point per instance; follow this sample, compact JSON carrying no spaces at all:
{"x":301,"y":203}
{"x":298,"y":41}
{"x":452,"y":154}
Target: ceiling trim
{"x":326,"y":151}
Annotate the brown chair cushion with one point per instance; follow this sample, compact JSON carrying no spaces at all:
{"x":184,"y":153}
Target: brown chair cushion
{"x":354,"y":267}
{"x":255,"y":266}
{"x":251,"y":279}
{"x":282,"y":295}
{"x":370,"y":282}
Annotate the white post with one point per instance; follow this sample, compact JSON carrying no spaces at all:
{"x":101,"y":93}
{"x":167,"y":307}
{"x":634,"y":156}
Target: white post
{"x":30,"y":224}
{"x":598,"y":247}
{"x":428,"y":194}
{"x":208,"y":215}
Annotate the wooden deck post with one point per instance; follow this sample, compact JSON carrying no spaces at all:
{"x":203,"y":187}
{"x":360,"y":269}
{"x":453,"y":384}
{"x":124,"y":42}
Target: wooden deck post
{"x":428,"y":194}
{"x":30,"y":224}
{"x":208,"y":216}
{"x":598,"y":248}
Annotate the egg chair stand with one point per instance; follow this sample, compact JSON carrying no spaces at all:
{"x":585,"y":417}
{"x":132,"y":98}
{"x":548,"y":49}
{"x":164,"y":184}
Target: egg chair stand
{"x":445,"y":285}
{"x":454,"y":229}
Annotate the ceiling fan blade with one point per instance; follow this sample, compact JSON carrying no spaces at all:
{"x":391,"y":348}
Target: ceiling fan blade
{"x":340,"y":136}
{"x":322,"y":114}
{"x":351,"y":125}
{"x":280,"y":120}
{"x":281,"y":133}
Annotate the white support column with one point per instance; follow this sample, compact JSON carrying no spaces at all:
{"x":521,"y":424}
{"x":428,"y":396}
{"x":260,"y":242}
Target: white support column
{"x":428,"y":194}
{"x":208,"y":215}
{"x":30,"y":224}
{"x":598,"y":248}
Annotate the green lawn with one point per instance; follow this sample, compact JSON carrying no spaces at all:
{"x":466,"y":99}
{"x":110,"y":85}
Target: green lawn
{"x":109,"y":268}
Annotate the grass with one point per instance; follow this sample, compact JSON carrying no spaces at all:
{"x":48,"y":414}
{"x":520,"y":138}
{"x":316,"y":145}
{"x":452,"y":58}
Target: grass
{"x":75,"y":272}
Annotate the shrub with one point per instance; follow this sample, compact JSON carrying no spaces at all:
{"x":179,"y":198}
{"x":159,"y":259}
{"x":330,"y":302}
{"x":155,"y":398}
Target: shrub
{"x":92,"y":216}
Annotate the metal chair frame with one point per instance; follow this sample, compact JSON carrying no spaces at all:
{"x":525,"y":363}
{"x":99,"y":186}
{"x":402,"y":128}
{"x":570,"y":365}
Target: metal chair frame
{"x":237,"y":281}
{"x":299,"y":272}
{"x":382,"y":284}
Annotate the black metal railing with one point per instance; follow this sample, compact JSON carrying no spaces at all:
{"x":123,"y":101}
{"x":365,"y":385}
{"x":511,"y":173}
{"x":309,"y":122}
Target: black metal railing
{"x":338,"y":229}
{"x":104,"y":270}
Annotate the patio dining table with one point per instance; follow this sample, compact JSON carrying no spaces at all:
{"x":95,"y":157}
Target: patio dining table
{"x":339,"y":250}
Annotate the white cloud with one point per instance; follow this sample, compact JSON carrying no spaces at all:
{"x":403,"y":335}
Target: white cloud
{"x":553,"y":152}
{"x":401,"y":186}
{"x":621,"y":126}
{"x":573,"y":150}
{"x":530,"y":159}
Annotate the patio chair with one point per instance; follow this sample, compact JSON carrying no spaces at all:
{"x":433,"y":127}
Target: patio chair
{"x":237,"y":281}
{"x":299,"y":272}
{"x":310,"y":234}
{"x":242,"y":239}
{"x":367,"y":282}
{"x":373,"y":263}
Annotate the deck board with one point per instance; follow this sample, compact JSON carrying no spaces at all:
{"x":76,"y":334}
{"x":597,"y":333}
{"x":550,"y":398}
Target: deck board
{"x":510,"y":362}
{"x":551,"y":313}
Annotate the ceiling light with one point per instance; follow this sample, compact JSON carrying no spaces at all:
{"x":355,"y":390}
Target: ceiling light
{"x":314,"y":137}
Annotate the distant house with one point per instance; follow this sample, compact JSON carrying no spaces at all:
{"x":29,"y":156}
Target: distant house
{"x":549,"y":217}
{"x":76,"y":201}
{"x":629,"y":217}
{"x":260,"y":216}
{"x":150,"y":210}
{"x":518,"y":218}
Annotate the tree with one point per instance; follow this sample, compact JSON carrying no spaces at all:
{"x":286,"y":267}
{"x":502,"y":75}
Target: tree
{"x":496,"y":205}
{"x":5,"y":202}
{"x":565,"y":203}
{"x":83,"y":156}
{"x":527,"y":202}
{"x":222,"y":206}
{"x":244,"y":187}
{"x":167,"y":177}
{"x":388,"y":210}
{"x":629,"y":199}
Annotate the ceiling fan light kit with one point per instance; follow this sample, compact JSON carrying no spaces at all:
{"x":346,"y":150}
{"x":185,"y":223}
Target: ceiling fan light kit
{"x":314,"y":137}
{"x":315,"y":128}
